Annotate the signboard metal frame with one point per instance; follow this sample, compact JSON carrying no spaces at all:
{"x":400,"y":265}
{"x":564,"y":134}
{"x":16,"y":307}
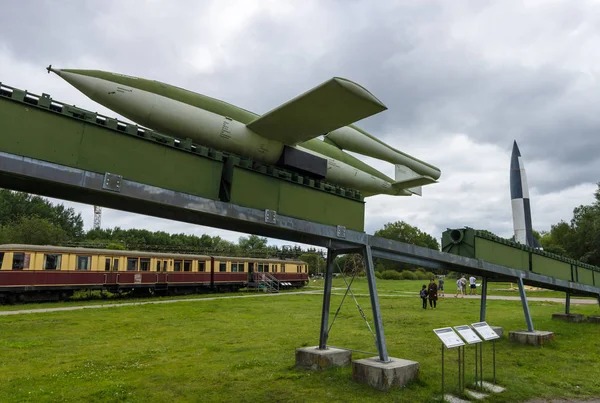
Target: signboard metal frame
{"x":487,"y":334}
{"x":450,"y":339}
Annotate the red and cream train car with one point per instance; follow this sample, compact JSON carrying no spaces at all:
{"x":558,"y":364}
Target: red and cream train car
{"x":32,"y":272}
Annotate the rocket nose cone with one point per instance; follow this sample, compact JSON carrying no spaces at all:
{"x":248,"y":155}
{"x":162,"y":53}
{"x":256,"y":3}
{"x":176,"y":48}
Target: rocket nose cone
{"x":515,"y":149}
{"x":56,"y":71}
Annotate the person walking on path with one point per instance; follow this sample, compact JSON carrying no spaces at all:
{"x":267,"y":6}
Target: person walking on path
{"x":463,"y":283}
{"x":460,"y":287}
{"x":441,"y":287}
{"x":432,"y":290}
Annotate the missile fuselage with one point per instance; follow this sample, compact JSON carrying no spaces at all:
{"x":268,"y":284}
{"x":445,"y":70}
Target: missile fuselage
{"x":222,"y":126}
{"x":519,"y":195}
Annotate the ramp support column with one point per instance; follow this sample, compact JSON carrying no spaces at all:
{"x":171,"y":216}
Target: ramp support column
{"x":370,"y":269}
{"x":326,"y":299}
{"x":525,"y":305}
{"x":568,"y":303}
{"x":483,"y":299}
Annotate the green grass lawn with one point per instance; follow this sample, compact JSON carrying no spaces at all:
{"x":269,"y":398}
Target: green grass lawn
{"x":242,"y":349}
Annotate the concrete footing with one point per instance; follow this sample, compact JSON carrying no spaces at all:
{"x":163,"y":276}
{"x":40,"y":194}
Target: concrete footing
{"x":313,"y":358}
{"x":569,"y":317}
{"x":484,"y":389}
{"x":539,"y":337}
{"x":593,"y":319}
{"x":384,"y":375}
{"x":499,"y":330}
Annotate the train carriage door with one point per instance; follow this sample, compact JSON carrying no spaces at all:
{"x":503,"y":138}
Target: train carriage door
{"x":161,"y":268}
{"x":111,"y":267}
{"x":250,"y":271}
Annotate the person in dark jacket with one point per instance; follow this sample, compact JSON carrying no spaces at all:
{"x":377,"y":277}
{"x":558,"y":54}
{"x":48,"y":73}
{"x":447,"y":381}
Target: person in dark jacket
{"x":423,"y":294}
{"x":432,"y":291}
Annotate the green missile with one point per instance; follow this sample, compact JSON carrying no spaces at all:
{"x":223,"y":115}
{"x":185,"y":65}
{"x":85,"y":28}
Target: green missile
{"x":287,"y":135}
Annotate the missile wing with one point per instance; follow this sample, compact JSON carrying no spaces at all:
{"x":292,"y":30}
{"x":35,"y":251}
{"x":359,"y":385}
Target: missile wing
{"x":336,"y":103}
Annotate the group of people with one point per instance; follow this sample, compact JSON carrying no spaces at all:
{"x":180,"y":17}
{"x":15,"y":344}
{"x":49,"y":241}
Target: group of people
{"x":431,"y":291}
{"x":461,"y":286}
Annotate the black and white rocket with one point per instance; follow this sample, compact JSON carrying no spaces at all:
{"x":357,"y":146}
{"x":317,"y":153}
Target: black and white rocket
{"x":519,"y":195}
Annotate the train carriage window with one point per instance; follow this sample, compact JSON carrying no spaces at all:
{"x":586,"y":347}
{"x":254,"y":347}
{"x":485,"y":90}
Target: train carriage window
{"x":116,"y":264}
{"x":52,"y":262}
{"x":222,"y":266}
{"x":177,"y":265}
{"x":144,"y":264}
{"x":18,"y":261}
{"x":201,"y":265}
{"x":187,"y":265}
{"x":107,"y":264}
{"x":132,"y":263}
{"x":1,"y":259}
{"x":241,"y":267}
{"x":83,"y":262}
{"x":234,"y":267}
{"x":158,"y":265}
{"x":263,"y":267}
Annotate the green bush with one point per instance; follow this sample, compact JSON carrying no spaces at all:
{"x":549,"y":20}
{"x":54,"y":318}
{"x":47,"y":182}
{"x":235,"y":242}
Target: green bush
{"x":378,"y":274}
{"x":421,"y":275}
{"x":391,"y":275}
{"x":430,"y":275}
{"x":408,"y":275}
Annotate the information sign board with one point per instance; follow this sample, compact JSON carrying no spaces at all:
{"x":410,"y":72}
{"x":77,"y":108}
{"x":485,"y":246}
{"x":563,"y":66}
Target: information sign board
{"x":449,"y":337}
{"x":468,"y":334}
{"x":485,"y":331}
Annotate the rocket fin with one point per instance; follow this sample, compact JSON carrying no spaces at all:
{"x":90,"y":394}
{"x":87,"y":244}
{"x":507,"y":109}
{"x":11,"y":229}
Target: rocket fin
{"x":416,"y":190}
{"x":414,"y":182}
{"x":335,"y":103}
{"x":406,"y":178}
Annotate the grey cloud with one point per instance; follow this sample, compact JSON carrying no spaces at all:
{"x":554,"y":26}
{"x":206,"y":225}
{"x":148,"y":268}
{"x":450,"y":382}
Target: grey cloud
{"x":435,"y":83}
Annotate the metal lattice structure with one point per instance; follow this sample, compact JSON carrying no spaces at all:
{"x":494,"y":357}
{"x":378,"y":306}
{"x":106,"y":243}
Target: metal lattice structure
{"x":97,"y":217}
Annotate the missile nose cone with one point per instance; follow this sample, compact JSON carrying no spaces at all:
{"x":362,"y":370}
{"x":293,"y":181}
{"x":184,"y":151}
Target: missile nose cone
{"x":50,"y":69}
{"x":515,"y":149}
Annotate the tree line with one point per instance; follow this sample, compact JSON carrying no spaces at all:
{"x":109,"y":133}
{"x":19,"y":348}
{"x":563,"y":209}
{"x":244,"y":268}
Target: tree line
{"x":580,"y":238}
{"x":30,"y":219}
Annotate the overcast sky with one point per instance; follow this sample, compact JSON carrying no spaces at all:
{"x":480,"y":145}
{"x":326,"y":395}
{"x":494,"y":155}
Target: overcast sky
{"x":461,"y":79}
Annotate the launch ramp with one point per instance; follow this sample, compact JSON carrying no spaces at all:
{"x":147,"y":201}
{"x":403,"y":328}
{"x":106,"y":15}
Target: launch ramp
{"x":107,"y":173}
{"x":530,"y":266}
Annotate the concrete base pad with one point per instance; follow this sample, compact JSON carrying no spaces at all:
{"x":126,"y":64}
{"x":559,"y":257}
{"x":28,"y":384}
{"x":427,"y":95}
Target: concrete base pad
{"x":539,"y":337}
{"x":475,"y":395}
{"x":499,"y":330}
{"x":593,"y":319}
{"x":454,"y":399}
{"x":569,"y":317}
{"x":490,"y":387}
{"x":313,"y":358}
{"x":384,"y":375}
